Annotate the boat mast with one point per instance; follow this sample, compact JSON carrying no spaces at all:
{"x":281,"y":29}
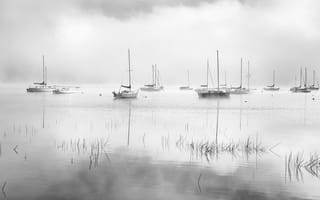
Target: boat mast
{"x":274,"y":78}
{"x":248,"y":74}
{"x":46,"y":75}
{"x":207,"y":73}
{"x":153,"y":77}
{"x":314,"y":77}
{"x":188,"y":79}
{"x":305,"y":80}
{"x":156,"y":75}
{"x":218,"y":69}
{"x":300,"y":77}
{"x":129,"y":69}
{"x":241,"y":74}
{"x":43,"y":71}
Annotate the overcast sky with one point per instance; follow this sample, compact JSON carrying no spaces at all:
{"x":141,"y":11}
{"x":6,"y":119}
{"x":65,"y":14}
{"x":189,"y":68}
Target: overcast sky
{"x":86,"y":41}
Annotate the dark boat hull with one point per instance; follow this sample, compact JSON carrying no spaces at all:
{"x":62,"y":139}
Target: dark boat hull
{"x":213,"y":94}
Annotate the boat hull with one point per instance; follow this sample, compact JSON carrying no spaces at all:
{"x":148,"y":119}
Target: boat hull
{"x":63,"y":92}
{"x":239,"y":91}
{"x":313,"y":88}
{"x":301,"y":90}
{"x":151,"y":89}
{"x":185,"y":88}
{"x":271,"y":89}
{"x":204,"y":93}
{"x":44,"y":89}
{"x":125,"y":94}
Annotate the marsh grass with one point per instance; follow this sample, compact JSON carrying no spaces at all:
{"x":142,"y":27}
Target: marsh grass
{"x":3,"y":189}
{"x":208,"y":149}
{"x":95,"y":149}
{"x":297,"y":164}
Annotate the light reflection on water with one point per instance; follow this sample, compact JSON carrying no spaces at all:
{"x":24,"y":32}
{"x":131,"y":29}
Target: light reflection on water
{"x":163,"y":145}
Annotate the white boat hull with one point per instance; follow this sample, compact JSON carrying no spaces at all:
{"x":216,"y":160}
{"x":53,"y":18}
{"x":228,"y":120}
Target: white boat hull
{"x":64,"y":91}
{"x":185,"y":88}
{"x":271,"y":88}
{"x":125,"y":94}
{"x":240,"y":91}
{"x":40,"y":89}
{"x":151,"y":89}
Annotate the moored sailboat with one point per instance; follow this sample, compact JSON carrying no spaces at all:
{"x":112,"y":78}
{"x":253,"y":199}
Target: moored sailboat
{"x":187,"y":87}
{"x":301,"y":88}
{"x":314,"y":86}
{"x":156,"y":85}
{"x":240,"y":89}
{"x":273,"y":86}
{"x":213,"y":92}
{"x":43,"y":86}
{"x":127,"y":92}
{"x":224,"y":85}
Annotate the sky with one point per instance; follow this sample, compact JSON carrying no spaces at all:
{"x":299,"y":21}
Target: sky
{"x":86,"y":41}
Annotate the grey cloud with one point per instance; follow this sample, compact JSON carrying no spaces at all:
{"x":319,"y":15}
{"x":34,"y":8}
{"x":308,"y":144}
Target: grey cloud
{"x":124,"y":9}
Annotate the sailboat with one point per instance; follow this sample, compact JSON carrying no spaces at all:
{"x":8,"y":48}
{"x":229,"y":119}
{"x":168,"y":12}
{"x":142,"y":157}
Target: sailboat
{"x":126,"y":93}
{"x":273,"y":86}
{"x":42,"y":87}
{"x":224,"y":85}
{"x":295,"y":88}
{"x":188,"y":86}
{"x":314,"y":86}
{"x":301,"y":88}
{"x":213,"y":92}
{"x":240,"y":89}
{"x":158,"y":80}
{"x":156,"y":85}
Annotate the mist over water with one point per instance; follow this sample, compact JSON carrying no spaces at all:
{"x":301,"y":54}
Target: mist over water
{"x":69,"y":137}
{"x":162,"y":145}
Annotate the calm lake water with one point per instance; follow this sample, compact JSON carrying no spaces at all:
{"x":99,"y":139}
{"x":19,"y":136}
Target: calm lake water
{"x":165,"y":145}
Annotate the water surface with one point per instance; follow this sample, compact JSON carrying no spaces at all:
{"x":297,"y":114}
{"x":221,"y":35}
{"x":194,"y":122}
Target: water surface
{"x":165,"y":145}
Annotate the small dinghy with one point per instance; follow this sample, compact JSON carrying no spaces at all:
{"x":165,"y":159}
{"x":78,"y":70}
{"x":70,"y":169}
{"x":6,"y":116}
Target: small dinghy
{"x":65,"y":90}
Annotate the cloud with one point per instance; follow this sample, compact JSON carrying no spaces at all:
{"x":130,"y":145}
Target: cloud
{"x":125,"y":9}
{"x":86,"y":41}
